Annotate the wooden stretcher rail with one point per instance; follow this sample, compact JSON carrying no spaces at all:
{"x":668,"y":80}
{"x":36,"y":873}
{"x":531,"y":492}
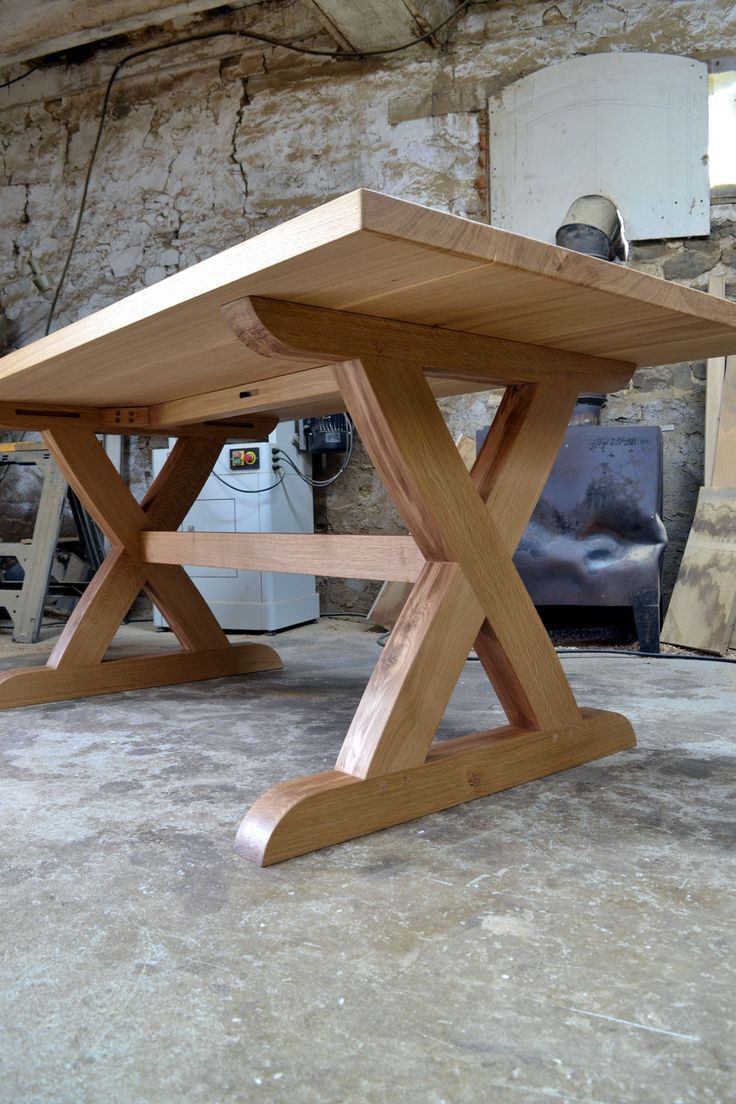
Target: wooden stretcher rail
{"x":348,"y":557}
{"x":246,"y":412}
{"x":298,"y":395}
{"x":40,"y":417}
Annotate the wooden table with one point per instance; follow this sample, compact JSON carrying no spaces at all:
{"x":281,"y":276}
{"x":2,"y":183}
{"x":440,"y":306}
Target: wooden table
{"x":376,"y":306}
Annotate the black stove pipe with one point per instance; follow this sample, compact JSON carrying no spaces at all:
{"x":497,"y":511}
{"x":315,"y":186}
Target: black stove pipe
{"x":593,"y":225}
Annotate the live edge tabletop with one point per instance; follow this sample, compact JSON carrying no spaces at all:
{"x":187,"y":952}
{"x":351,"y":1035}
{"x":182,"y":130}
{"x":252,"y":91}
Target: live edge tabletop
{"x":375,"y":306}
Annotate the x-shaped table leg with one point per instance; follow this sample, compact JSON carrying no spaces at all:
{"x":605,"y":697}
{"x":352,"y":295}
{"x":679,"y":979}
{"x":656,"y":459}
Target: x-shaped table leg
{"x":467,"y":526}
{"x":519,"y":452}
{"x":76,"y":666}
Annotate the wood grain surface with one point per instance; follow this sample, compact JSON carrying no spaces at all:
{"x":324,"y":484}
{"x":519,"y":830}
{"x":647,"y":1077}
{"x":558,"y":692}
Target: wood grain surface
{"x":134,"y":420}
{"x":35,"y":685}
{"x":702,"y":609}
{"x":170,"y":341}
{"x":348,"y":557}
{"x":715,"y":370}
{"x":290,"y":331}
{"x":392,"y":596}
{"x":322,"y":809}
{"x":75,"y":667}
{"x":724,"y":455}
{"x":408,"y":442}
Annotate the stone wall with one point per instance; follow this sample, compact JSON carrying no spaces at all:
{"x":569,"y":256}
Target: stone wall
{"x":214,"y":141}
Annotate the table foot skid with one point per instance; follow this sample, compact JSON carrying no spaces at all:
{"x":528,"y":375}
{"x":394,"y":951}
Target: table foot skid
{"x":323,"y":809}
{"x":36,"y":685}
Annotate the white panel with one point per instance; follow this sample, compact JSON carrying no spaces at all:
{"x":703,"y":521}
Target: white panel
{"x":242,"y":600}
{"x":632,"y":127}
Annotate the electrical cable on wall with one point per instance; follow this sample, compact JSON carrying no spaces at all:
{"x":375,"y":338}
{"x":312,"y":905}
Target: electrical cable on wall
{"x":383,"y":638}
{"x":337,"y":55}
{"x":281,"y":455}
{"x":319,"y":482}
{"x":20,"y":77}
{"x":245,"y":490}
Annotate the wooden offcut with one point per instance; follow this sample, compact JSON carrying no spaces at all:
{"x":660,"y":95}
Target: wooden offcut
{"x":724,"y":459}
{"x":702,"y":612}
{"x":388,"y":604}
{"x":702,"y":609}
{"x":715,"y":371}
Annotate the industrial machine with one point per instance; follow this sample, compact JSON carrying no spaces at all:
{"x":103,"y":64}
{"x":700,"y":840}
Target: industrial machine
{"x":596,"y":537}
{"x":254,"y":488}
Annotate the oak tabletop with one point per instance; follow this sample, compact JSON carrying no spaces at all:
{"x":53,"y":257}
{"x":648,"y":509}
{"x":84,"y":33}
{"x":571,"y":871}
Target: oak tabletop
{"x":373,"y":254}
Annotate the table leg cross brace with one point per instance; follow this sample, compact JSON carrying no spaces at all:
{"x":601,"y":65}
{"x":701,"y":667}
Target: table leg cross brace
{"x":76,"y":667}
{"x":467,"y":526}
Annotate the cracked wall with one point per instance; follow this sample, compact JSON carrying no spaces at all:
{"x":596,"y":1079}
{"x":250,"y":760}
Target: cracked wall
{"x":216,"y":141}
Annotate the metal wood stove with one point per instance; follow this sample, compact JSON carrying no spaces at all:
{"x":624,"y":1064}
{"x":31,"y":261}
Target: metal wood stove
{"x":596,"y":537}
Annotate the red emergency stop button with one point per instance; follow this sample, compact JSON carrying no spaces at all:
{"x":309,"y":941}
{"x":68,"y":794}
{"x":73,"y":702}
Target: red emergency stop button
{"x":244,"y":458}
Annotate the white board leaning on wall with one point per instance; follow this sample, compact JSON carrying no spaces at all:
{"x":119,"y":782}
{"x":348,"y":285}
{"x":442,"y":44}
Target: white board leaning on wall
{"x":630,"y":126}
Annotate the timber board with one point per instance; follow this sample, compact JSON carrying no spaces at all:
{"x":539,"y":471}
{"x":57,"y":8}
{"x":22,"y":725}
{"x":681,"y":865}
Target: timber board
{"x":369,"y":254}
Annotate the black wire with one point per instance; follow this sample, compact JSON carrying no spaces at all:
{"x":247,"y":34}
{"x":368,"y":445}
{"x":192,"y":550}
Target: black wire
{"x":381,"y":641}
{"x":343,"y":467}
{"x":317,"y":482}
{"x":333,"y":613}
{"x":644,"y":655}
{"x":242,"y":490}
{"x":335,"y":54}
{"x":22,"y":76}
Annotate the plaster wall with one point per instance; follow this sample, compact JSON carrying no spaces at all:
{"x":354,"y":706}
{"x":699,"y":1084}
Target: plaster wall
{"x":214,"y":141}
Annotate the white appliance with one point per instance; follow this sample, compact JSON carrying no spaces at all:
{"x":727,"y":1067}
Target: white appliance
{"x":245,"y":495}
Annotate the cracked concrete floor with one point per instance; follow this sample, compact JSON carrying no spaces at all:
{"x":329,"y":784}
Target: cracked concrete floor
{"x":566,"y":940}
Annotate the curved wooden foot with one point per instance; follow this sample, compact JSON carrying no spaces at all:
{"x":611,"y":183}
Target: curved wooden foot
{"x":36,"y":685}
{"x":321,"y":809}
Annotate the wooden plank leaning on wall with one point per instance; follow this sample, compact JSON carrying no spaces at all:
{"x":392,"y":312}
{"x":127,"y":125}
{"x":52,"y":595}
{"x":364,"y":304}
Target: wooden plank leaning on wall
{"x":702,"y":610}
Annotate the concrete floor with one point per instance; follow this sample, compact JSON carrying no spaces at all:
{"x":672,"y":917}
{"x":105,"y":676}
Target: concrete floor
{"x":567,"y":940}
